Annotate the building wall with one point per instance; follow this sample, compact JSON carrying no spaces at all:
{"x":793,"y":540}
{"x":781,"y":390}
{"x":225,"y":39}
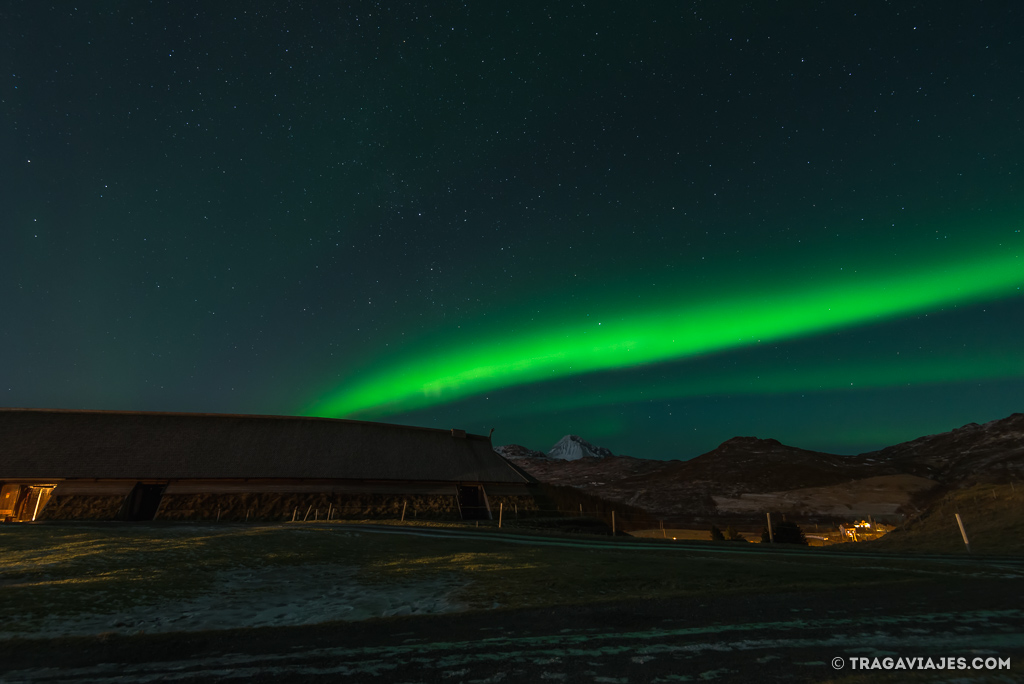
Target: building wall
{"x":277,"y":500}
{"x":82,"y":507}
{"x":286,"y":506}
{"x":86,"y":500}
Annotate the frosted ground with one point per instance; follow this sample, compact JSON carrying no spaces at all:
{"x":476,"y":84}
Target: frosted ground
{"x":61,"y":580}
{"x":260,"y":597}
{"x":77,"y":589}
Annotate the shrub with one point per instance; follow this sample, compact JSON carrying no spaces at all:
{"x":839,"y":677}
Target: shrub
{"x":785,"y":532}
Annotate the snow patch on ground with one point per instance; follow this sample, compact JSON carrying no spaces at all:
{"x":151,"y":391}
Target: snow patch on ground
{"x":262,"y":597}
{"x":881,"y":495}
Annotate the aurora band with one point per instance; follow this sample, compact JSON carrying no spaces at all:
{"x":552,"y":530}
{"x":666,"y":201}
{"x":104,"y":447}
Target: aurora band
{"x":668,"y":333}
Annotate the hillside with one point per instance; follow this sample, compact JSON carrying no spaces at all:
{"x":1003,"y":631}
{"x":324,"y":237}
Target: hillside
{"x":992,"y":515}
{"x":745,"y":476}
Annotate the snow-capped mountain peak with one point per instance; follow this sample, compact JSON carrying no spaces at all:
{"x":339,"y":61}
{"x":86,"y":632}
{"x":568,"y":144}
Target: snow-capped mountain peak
{"x":573,"y":448}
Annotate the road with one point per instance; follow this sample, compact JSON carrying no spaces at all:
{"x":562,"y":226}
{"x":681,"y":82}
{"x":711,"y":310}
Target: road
{"x":512,"y":537}
{"x":781,"y":637}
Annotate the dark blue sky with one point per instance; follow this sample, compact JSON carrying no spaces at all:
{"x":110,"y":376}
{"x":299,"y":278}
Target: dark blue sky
{"x":230,"y":208}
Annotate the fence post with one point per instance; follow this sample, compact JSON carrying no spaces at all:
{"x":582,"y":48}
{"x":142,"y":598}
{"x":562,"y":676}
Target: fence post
{"x":501,"y":509}
{"x":404,"y":504}
{"x":963,"y":532}
{"x":218,"y":513}
{"x":613,"y":523}
{"x":330,"y":509}
{"x":771,"y":535}
{"x":306,"y":517}
{"x":294,"y":513}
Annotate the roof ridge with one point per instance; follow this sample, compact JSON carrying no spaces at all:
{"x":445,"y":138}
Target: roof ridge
{"x":262,"y":416}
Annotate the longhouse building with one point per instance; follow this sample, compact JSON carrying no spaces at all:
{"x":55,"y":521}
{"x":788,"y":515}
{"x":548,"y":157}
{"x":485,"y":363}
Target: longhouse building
{"x":117,"y":465}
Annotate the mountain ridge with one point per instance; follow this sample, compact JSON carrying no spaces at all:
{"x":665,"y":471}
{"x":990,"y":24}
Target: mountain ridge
{"x":750,"y":466}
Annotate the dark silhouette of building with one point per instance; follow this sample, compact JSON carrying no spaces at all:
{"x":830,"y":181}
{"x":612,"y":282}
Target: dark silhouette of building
{"x":102,"y":465}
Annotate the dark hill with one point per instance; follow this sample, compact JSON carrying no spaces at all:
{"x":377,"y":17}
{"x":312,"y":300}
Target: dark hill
{"x":993,"y":452}
{"x":961,"y":457}
{"x":749,"y":464}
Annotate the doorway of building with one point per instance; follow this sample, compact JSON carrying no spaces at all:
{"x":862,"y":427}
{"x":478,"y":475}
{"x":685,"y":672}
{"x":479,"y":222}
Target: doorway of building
{"x":143,"y":502}
{"x":23,"y":502}
{"x":471,"y":503}
{"x":9,"y":494}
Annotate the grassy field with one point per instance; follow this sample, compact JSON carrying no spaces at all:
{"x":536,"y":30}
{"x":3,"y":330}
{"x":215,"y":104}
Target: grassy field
{"x":58,"y":579}
{"x":993,"y":516}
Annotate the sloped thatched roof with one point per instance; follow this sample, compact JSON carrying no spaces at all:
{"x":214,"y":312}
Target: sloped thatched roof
{"x":49,"y":443}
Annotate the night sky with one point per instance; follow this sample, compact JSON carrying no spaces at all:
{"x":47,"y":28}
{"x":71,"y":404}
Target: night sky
{"x":655,"y":225}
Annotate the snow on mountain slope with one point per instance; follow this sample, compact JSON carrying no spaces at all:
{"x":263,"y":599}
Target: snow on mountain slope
{"x":573,"y":448}
{"x":518,"y":451}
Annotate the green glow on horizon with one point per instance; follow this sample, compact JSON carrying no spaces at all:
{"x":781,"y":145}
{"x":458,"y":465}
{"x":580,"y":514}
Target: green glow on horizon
{"x":805,"y":380}
{"x":669,"y":333}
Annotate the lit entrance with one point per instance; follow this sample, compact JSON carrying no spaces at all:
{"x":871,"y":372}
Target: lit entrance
{"x":23,"y":502}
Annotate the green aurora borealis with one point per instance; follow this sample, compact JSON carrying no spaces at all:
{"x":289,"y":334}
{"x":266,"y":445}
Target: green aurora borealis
{"x":624,"y":339}
{"x":657,"y":226}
